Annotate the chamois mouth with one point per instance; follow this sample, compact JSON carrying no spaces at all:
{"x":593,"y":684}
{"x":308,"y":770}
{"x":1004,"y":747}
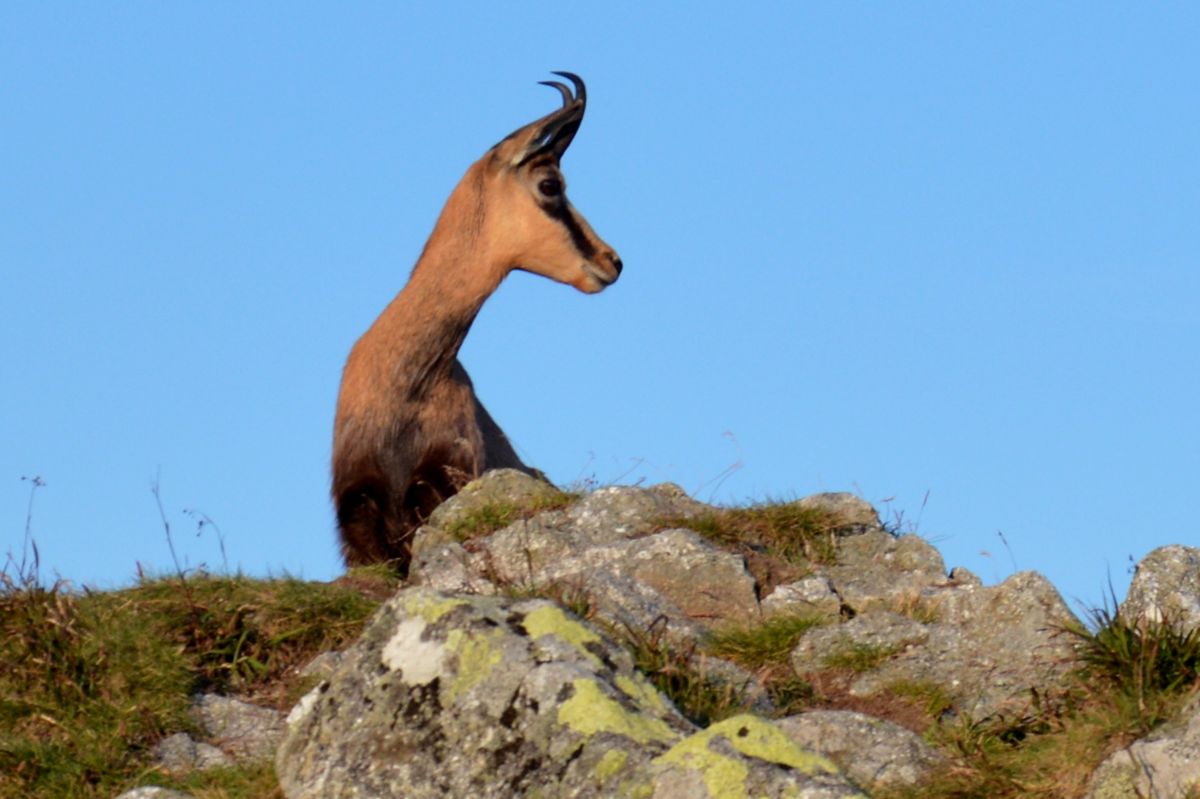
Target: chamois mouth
{"x":604,"y":279}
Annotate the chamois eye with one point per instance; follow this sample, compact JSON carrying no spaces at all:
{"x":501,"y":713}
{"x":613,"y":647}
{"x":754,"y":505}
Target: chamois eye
{"x":550,"y":187}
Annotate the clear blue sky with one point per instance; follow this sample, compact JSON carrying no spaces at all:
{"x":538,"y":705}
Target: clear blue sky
{"x":896,"y":249}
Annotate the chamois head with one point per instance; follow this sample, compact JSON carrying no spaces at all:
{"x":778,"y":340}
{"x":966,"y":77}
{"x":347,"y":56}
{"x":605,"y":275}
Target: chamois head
{"x":535,"y":227}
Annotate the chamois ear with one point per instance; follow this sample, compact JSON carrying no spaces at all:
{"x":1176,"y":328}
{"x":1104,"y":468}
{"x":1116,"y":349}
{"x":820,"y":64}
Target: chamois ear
{"x":553,"y":133}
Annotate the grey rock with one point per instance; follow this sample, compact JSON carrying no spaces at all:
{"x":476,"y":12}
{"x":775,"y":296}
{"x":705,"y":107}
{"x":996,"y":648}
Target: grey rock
{"x":872,"y":752}
{"x":322,"y":665}
{"x":617,"y":512}
{"x":180,"y":753}
{"x":1163,"y":765}
{"x":988,"y":648}
{"x":883,"y":631}
{"x":855,"y":515}
{"x":487,"y":697}
{"x":608,"y":547}
{"x":961,"y":575}
{"x":809,"y":596}
{"x":447,"y":565}
{"x":878,"y":570}
{"x":246,"y":731}
{"x":1166,"y":587}
{"x":706,"y":584}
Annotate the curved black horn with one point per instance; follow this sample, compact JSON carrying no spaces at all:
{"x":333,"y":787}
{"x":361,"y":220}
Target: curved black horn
{"x":553,"y":133}
{"x":568,"y":98}
{"x":580,"y":89}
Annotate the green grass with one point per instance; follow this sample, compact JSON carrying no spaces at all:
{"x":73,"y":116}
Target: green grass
{"x":784,"y":529}
{"x":767,"y":643}
{"x":93,"y":680}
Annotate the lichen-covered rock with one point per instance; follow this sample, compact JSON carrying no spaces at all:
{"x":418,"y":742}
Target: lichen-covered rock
{"x":1166,"y":587}
{"x":872,"y":752}
{"x":743,"y":757}
{"x":486,"y":697}
{"x":1165,"y":763}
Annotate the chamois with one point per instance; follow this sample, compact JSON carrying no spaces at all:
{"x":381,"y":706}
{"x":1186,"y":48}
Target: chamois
{"x":409,"y":429}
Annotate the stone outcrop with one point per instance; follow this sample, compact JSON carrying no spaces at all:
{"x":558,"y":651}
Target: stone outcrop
{"x":462,"y":685}
{"x":492,"y":697}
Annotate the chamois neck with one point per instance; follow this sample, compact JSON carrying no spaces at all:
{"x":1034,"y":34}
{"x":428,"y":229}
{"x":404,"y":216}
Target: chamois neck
{"x":426,"y":323}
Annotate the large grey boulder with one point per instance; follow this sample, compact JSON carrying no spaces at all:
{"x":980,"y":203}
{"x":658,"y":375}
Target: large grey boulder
{"x":608,"y":547}
{"x":1165,"y":587}
{"x":985,"y":648}
{"x":451,"y":696}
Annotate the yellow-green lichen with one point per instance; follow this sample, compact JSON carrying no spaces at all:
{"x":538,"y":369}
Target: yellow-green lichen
{"x":551,"y":620}
{"x":429,"y":607}
{"x":725,"y":776}
{"x":640,"y":691}
{"x":476,"y":658}
{"x":755,"y":737}
{"x":612,"y":762}
{"x":589,"y":711}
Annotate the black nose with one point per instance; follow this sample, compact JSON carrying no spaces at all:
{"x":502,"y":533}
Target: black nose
{"x":616,"y":263}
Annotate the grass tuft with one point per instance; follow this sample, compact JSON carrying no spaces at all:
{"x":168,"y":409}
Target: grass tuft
{"x":494,"y":516}
{"x":765,"y":644}
{"x":785,"y":529}
{"x":1150,"y":666}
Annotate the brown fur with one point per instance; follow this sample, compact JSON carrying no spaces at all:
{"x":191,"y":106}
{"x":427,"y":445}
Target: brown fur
{"x":409,"y":430}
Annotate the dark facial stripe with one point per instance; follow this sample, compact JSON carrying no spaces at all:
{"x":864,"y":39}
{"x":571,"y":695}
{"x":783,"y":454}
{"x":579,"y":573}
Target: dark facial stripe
{"x":561,"y":213}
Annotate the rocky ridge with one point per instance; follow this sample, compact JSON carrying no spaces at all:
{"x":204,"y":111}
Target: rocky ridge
{"x":465,"y":684}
